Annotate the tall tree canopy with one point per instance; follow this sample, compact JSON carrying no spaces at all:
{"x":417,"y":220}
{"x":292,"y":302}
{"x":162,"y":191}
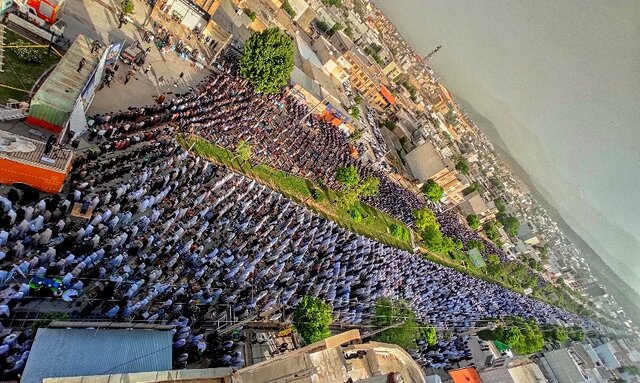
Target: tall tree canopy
{"x":348,"y":176}
{"x":473,"y":221}
{"x":432,"y":190}
{"x":267,"y":60}
{"x":312,"y":318}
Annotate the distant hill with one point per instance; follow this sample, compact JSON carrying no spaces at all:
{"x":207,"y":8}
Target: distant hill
{"x":623,"y":293}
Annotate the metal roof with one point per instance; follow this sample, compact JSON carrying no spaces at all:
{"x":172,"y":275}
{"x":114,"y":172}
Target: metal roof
{"x":82,"y":352}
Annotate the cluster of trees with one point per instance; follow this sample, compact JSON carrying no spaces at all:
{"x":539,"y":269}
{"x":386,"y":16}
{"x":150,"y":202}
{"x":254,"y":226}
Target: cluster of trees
{"x":336,"y":3}
{"x":354,"y":187}
{"x":523,"y":336}
{"x":473,"y":221}
{"x":288,"y":8}
{"x":354,"y":111}
{"x":399,"y":232}
{"x":373,"y":50}
{"x":451,"y":117}
{"x":426,"y":224}
{"x":324,"y":27}
{"x":390,"y":124}
{"x":348,"y":31}
{"x":510,"y":224}
{"x":389,"y":312}
{"x":432,"y":190}
{"x":312,"y":318}
{"x":513,"y":273}
{"x":475,"y":186}
{"x":491,"y":231}
{"x":267,"y":60}
{"x":462,"y":165}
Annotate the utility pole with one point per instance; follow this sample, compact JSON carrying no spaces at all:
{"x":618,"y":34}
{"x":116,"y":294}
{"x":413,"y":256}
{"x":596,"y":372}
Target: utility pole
{"x":215,"y":57}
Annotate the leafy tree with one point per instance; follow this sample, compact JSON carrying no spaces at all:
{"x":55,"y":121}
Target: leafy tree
{"x":473,"y":221}
{"x":475,"y":186}
{"x":287,"y":8}
{"x":369,"y":187}
{"x":348,"y":176}
{"x":267,"y":60}
{"x":424,"y":218}
{"x":475,"y":244}
{"x":557,"y":333}
{"x":389,"y":312}
{"x":462,"y":165}
{"x":432,"y":190}
{"x":356,"y":215}
{"x":451,"y":117}
{"x":321,"y":25}
{"x":510,"y":224}
{"x":523,"y":336}
{"x":356,"y":135}
{"x":336,"y":3}
{"x":312,"y":318}
{"x":576,"y":333}
{"x":494,"y":266}
{"x":389,"y":124}
{"x":317,"y":195}
{"x":355,"y":112}
{"x":357,"y":99}
{"x":243,"y":151}
{"x":127,"y":6}
{"x":349,"y":31}
{"x":491,"y":230}
{"x":252,"y":15}
{"x":336,"y":27}
{"x":399,"y":232}
{"x":500,"y":205}
{"x":430,"y":335}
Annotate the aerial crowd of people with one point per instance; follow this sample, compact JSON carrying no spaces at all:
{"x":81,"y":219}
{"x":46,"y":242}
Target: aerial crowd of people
{"x":145,"y":231}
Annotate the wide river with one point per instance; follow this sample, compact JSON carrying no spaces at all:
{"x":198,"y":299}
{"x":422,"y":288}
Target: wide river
{"x":560,"y":82}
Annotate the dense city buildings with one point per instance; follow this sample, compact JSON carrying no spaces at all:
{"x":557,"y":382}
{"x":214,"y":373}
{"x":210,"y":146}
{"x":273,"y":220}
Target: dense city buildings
{"x":162,"y":206}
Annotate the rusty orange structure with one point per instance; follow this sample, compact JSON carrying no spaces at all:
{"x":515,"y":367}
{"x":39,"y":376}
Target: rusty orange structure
{"x":46,"y":173}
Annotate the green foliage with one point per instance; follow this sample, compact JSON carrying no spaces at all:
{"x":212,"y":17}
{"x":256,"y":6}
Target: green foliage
{"x":430,"y":335}
{"x":475,"y":186}
{"x":403,"y":141}
{"x":424,"y":219}
{"x":523,"y":336}
{"x":576,"y":333}
{"x":348,"y":176}
{"x":243,"y":151}
{"x":389,"y":312}
{"x":500,"y":205}
{"x":312,"y":318}
{"x":633,"y":370}
{"x":533,"y":264}
{"x":355,"y":112}
{"x":356,"y":215}
{"x":252,"y":15}
{"x":494,"y":267}
{"x":473,"y":221}
{"x":127,"y":6}
{"x":432,"y":190}
{"x":413,"y":92}
{"x":389,"y":124}
{"x":369,"y":187}
{"x":356,"y":135}
{"x":462,"y":165}
{"x":510,"y":224}
{"x":491,"y":230}
{"x":287,"y":8}
{"x":373,"y":50}
{"x":399,"y":232}
{"x":357,"y":99}
{"x":317,"y":195}
{"x":474,"y":244}
{"x":349,"y":31}
{"x":267,"y":60}
{"x":46,"y":320}
{"x":336,"y":27}
{"x":321,"y":25}
{"x":328,"y":3}
{"x":556,"y":333}
{"x":451,"y":117}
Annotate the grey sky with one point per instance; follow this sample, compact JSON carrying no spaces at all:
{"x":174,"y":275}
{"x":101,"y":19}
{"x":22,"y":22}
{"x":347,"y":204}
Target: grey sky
{"x":561,"y":83}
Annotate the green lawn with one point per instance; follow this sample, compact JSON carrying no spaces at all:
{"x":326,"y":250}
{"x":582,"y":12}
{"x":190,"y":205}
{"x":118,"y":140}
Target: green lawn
{"x":375,"y":224}
{"x":19,"y":74}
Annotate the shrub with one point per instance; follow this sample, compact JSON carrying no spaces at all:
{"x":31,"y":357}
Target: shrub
{"x":317,"y":195}
{"x":356,"y":215}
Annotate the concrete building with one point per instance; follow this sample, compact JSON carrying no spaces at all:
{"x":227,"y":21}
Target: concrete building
{"x":560,"y":367}
{"x":338,"y":359}
{"x":365,"y":81}
{"x":392,"y":70}
{"x":606,"y":353}
{"x":426,"y":163}
{"x":474,"y":204}
{"x":330,"y":60}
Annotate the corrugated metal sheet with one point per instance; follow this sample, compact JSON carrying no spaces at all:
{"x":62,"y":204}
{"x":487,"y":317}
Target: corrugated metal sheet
{"x":55,"y":99}
{"x":80,"y":352}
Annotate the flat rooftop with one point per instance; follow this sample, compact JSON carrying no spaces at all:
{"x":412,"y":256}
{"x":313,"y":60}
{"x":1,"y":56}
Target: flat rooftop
{"x":28,"y":151}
